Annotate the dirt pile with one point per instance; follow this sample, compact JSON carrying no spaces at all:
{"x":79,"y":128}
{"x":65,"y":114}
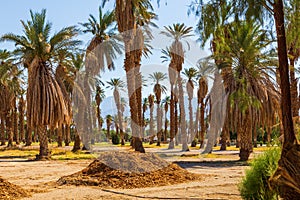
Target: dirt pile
{"x":11,"y":191}
{"x":128,"y":170}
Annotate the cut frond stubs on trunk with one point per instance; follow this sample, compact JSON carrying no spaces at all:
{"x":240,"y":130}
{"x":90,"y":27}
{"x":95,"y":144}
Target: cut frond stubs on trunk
{"x":128,"y":170}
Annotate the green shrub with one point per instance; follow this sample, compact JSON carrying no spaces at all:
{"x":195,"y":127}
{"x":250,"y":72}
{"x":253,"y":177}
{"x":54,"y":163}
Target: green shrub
{"x":254,"y":185}
{"x":115,"y":139}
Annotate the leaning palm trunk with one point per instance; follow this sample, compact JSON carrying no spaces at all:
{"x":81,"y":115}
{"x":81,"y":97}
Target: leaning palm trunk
{"x":182,"y":116}
{"x":46,"y":104}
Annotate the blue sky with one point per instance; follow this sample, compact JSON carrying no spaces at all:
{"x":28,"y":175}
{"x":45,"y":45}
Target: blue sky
{"x":62,"y":13}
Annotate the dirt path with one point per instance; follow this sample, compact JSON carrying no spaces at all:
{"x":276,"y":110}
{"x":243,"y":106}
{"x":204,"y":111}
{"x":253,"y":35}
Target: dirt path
{"x":220,"y":180}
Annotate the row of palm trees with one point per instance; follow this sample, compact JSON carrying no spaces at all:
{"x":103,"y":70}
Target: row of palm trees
{"x":230,"y":53}
{"x":240,"y":50}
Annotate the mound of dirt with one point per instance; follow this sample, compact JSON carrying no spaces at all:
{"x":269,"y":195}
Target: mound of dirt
{"x":11,"y":191}
{"x":128,"y":170}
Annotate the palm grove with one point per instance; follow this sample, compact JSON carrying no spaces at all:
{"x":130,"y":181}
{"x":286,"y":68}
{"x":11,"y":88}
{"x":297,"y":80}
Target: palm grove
{"x":63,"y":82}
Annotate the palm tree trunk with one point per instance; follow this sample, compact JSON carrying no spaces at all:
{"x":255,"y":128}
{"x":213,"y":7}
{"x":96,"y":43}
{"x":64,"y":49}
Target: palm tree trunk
{"x":151,"y":124}
{"x":224,"y":136}
{"x":294,"y":90}
{"x":15,"y":121}
{"x":43,"y":139}
{"x":159,"y":125}
{"x":202,"y":124}
{"x":9,"y":130}
{"x":172,"y":120}
{"x":286,"y":177}
{"x":29,"y":136}
{"x":166,"y":128}
{"x":2,"y":129}
{"x":67,"y":134}
{"x":59,"y":135}
{"x":21,"y":119}
{"x":76,"y":146}
{"x":182,"y":116}
{"x":246,"y":137}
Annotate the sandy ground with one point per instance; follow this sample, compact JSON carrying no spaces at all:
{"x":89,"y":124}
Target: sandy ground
{"x":221,"y":177}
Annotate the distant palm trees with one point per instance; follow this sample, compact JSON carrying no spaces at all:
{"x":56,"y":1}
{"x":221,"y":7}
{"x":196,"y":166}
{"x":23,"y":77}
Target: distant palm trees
{"x":117,"y":84}
{"x":158,"y":89}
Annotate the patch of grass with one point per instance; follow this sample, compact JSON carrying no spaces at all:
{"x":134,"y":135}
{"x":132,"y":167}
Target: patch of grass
{"x":255,"y":184}
{"x":18,"y":153}
{"x":68,"y":155}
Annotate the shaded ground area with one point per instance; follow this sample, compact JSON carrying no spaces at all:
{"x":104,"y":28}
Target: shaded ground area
{"x":219,"y":179}
{"x":129,"y":170}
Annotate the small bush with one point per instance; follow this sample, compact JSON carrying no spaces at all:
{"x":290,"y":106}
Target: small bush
{"x":115,"y":139}
{"x":255,"y":183}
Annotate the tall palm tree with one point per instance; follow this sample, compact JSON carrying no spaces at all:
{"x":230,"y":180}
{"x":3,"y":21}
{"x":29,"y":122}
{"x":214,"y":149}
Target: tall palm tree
{"x":178,"y":32}
{"x":117,"y":84}
{"x":172,"y":72}
{"x":76,"y":65}
{"x":37,"y":49}
{"x":166,"y":102}
{"x":151,"y":124}
{"x":131,"y":16}
{"x":250,"y":84}
{"x":205,"y":68}
{"x":191,"y":74}
{"x":101,"y":51}
{"x":158,"y":89}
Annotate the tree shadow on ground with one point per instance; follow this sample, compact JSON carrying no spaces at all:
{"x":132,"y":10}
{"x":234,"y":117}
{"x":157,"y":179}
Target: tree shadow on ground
{"x":212,"y":164}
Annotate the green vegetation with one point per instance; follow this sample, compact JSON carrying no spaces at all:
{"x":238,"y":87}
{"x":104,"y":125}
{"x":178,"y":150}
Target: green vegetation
{"x":255,"y":183}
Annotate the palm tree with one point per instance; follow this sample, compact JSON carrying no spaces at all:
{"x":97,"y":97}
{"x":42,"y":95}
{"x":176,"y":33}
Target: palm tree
{"x":7,"y":95}
{"x":100,"y":95}
{"x":151,"y":106}
{"x":158,"y":89}
{"x":108,"y":120}
{"x":250,"y":84}
{"x":190,"y":73}
{"x":131,"y":16}
{"x":178,"y":32}
{"x":103,"y":49}
{"x":117,"y":84}
{"x":37,"y":49}
{"x":104,"y":46}
{"x":205,"y":68}
{"x":166,"y":103}
{"x":172,"y":72}
{"x":76,"y":64}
